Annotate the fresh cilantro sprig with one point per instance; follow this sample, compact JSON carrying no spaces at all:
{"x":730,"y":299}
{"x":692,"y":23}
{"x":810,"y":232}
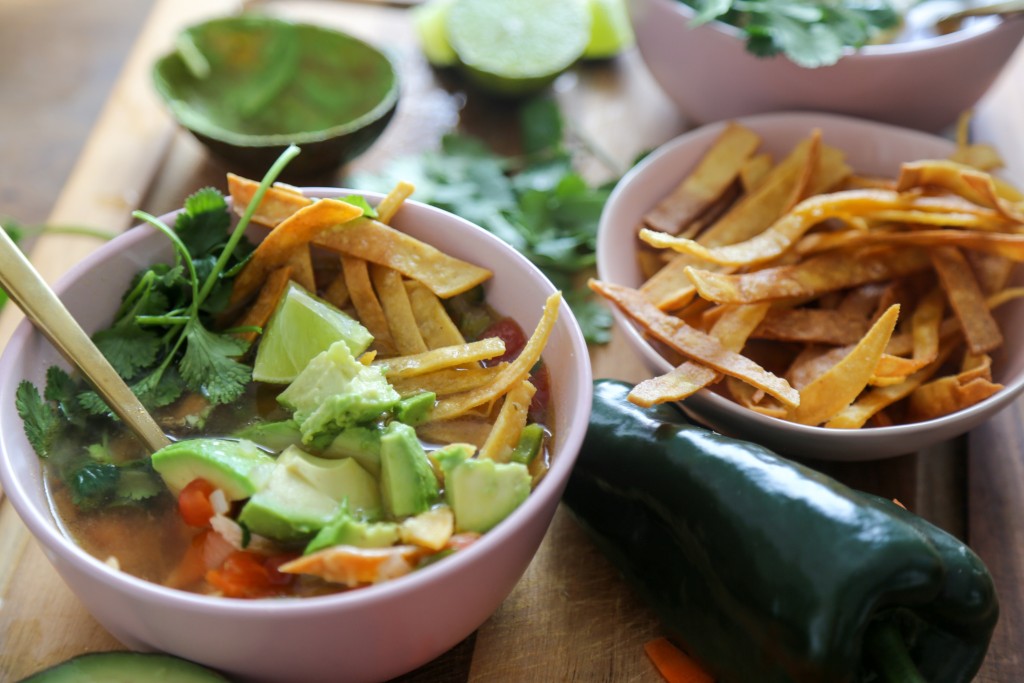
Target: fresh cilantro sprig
{"x":537,"y":202}
{"x":811,"y":33}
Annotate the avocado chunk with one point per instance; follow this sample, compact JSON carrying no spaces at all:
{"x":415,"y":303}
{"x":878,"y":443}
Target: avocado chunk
{"x":336,"y":391}
{"x":407,"y":481}
{"x":345,"y":529}
{"x":103,"y":667}
{"x":482,"y":492}
{"x":415,"y":409}
{"x":238,"y":468}
{"x":359,"y":443}
{"x":274,"y":436}
{"x":304,"y":493}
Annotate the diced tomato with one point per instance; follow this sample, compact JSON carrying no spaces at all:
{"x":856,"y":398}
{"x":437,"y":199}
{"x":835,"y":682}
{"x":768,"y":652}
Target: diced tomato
{"x":508,"y":331}
{"x":247,"y":575}
{"x":194,"y":504}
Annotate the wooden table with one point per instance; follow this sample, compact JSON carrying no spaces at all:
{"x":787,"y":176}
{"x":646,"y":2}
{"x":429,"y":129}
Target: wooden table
{"x":570,"y":618}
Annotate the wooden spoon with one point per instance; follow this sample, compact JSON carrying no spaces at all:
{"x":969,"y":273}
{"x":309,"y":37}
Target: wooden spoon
{"x":33,"y":296}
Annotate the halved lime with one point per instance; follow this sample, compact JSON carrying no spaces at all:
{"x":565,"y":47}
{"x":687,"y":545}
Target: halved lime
{"x":513,"y":47}
{"x":302,"y":326}
{"x":429,"y":21}
{"x":610,"y":29}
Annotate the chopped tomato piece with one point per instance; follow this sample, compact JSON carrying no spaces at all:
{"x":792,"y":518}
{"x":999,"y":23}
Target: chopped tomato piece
{"x":248,"y":575}
{"x":541,"y":379}
{"x":508,"y":331}
{"x":194,"y":504}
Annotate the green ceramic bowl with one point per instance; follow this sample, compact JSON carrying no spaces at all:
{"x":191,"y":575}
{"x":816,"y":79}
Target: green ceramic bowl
{"x":248,"y":86}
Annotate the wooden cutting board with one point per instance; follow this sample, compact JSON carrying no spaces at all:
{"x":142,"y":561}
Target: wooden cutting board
{"x":570,"y":618}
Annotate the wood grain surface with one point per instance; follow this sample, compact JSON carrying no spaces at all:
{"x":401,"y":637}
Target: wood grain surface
{"x":570,"y":618}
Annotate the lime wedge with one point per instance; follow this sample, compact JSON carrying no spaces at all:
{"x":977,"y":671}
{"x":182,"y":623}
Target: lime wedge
{"x":302,"y":326}
{"x":610,"y":29}
{"x":428,"y":19}
{"x":514,"y":47}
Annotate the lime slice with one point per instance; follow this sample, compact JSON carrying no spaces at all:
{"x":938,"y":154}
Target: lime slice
{"x":429,"y":21}
{"x":514,"y":47}
{"x":303,"y":326}
{"x":610,"y":29}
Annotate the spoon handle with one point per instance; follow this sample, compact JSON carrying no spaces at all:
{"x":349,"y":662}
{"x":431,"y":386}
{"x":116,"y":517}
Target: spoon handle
{"x":33,"y":296}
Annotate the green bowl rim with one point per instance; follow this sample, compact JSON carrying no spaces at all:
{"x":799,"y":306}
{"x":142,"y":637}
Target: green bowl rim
{"x":183,"y":112}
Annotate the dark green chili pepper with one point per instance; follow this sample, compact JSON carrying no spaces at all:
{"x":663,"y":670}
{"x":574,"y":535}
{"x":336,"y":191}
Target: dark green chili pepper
{"x":766,"y":570}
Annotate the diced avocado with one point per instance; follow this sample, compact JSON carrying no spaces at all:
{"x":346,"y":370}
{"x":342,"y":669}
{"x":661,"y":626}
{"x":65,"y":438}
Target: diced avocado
{"x":359,"y":443}
{"x":530,"y":441}
{"x":407,"y":481}
{"x":274,"y":436}
{"x":345,"y":529}
{"x":340,"y":478}
{"x":415,"y":409}
{"x":449,"y":456}
{"x":107,"y":667}
{"x":482,"y":492}
{"x":304,"y":493}
{"x":336,"y":391}
{"x":238,"y":468}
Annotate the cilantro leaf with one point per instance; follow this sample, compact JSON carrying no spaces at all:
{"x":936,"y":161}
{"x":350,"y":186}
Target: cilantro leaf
{"x":41,"y":421}
{"x":204,"y":222}
{"x":593,"y":316}
{"x":209,"y":366}
{"x":811,"y":33}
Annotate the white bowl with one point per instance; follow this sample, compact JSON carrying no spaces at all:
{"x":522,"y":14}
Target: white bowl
{"x":366,"y":635}
{"x":922,"y":84}
{"x":871,"y":148}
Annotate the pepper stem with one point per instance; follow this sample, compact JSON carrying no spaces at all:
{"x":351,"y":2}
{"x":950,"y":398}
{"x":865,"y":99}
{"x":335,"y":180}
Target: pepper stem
{"x":886,"y":650}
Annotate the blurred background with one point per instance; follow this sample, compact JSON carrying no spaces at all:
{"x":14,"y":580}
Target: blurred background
{"x":52,"y":91}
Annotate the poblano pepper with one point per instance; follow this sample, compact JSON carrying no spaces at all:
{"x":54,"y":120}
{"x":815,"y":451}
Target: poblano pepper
{"x":766,"y":570}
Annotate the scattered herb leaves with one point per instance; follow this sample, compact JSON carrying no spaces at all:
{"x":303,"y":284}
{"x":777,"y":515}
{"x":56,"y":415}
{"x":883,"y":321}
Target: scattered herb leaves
{"x":537,"y":202}
{"x":811,"y":33}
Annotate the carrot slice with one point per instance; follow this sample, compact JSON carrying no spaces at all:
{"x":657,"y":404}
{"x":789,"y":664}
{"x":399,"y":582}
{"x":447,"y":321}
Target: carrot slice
{"x":674,"y":664}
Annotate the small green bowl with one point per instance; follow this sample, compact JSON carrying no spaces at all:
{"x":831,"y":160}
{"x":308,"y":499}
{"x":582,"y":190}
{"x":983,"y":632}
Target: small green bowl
{"x":249,"y":86}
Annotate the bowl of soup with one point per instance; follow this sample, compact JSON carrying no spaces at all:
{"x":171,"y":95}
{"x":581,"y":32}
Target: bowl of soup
{"x":248,"y":86}
{"x":133,"y":566}
{"x":922,"y":80}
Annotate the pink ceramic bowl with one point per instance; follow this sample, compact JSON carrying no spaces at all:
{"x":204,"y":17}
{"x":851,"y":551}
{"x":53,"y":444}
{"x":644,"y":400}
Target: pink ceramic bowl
{"x":367,"y":635}
{"x":871,"y":148}
{"x":923,"y":84}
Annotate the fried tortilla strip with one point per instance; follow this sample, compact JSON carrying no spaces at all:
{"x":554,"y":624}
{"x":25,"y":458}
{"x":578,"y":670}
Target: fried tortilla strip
{"x":508,"y":426}
{"x":469,"y":430}
{"x":991,"y":270}
{"x":784,"y":186}
{"x":373,"y":241}
{"x":393,"y":201}
{"x":515,"y":372}
{"x":693,"y":343}
{"x":872,"y":402}
{"x":279,"y":201}
{"x":812,"y":362}
{"x":367,"y":305}
{"x":394,"y":300}
{"x":948,"y":175}
{"x":353,"y":566}
{"x":966,"y":299}
{"x":814,"y":276}
{"x":984,"y":157}
{"x":732,"y":329}
{"x":714,"y":174}
{"x":265,"y":304}
{"x":280,"y":244}
{"x":446,"y":357}
{"x":949,"y":394}
{"x":985,"y":185}
{"x":447,"y":381}
{"x":336,"y":293}
{"x":435,"y":325}
{"x":784,"y":233}
{"x":670,"y":288}
{"x":1010,"y":246}
{"x":835,"y":389}
{"x":301,"y":263}
{"x":754,"y":171}
{"x":813,"y":325}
